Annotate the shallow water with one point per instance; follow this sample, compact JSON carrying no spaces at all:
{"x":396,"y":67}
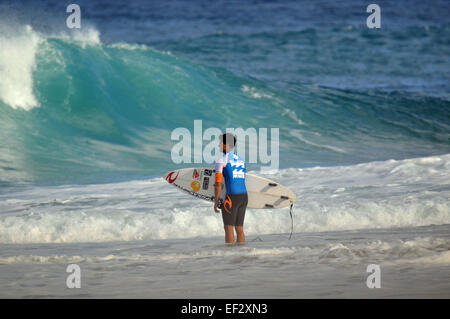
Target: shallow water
{"x":414,"y":263}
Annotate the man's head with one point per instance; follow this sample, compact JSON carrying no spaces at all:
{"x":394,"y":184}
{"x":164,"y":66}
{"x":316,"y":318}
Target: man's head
{"x":227,"y":142}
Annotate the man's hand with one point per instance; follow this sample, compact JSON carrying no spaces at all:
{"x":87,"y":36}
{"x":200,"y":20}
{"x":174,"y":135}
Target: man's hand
{"x":215,"y":207}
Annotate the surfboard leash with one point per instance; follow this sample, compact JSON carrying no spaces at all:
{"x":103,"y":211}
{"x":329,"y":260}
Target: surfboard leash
{"x":292,"y":221}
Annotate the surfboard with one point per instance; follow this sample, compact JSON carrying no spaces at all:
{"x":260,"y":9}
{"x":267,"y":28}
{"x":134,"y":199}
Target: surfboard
{"x":263,"y":193}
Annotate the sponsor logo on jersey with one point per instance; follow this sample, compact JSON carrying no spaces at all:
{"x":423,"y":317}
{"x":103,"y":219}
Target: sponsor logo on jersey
{"x":238,"y":173}
{"x":237,"y":164}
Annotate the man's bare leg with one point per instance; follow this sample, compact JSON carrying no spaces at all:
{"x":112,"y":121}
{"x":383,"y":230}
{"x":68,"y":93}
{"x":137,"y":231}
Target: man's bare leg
{"x":240,"y":235}
{"x":229,"y":234}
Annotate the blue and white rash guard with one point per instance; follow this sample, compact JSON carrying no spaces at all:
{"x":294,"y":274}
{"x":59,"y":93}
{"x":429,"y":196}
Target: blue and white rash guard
{"x":232,"y":167}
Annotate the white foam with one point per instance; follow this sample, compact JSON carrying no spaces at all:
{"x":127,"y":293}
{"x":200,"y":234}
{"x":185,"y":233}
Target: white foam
{"x":128,"y":46}
{"x":20,"y":46}
{"x":86,"y":36}
{"x":439,"y":259}
{"x":66,"y":259}
{"x":365,"y":196}
{"x":292,"y":115}
{"x":343,"y":250}
{"x":17,"y":63}
{"x":255,"y":93}
{"x":35,"y":259}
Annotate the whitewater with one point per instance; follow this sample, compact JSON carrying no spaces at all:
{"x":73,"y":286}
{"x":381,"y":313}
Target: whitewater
{"x":85,"y":124}
{"x":143,"y":239}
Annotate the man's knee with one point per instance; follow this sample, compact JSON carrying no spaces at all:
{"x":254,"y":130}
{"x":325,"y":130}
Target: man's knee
{"x":240,"y":235}
{"x":229,"y":229}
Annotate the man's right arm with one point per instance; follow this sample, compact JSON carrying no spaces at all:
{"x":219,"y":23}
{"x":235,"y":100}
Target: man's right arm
{"x":217,"y":190}
{"x":218,"y":182}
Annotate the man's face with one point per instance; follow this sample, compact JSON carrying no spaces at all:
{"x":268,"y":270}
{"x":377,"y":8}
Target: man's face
{"x":223,"y":147}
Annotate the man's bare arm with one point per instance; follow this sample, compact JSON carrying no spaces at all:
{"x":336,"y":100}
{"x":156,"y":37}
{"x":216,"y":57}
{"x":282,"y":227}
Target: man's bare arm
{"x":217,"y":190}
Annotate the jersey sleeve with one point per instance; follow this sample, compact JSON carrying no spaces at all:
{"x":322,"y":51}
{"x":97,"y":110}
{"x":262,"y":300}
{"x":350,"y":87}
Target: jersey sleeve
{"x":220,"y":164}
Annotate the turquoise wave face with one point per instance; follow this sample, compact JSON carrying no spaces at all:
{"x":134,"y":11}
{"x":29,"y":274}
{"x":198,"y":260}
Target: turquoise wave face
{"x":79,"y":111}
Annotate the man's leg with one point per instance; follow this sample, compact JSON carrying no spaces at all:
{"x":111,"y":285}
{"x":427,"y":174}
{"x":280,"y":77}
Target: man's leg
{"x":229,"y":220}
{"x":240,"y":234}
{"x":229,"y":234}
{"x":240,"y":216}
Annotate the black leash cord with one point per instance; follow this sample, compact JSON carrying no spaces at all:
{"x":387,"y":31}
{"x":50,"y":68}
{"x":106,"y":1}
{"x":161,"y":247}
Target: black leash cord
{"x":292,"y":221}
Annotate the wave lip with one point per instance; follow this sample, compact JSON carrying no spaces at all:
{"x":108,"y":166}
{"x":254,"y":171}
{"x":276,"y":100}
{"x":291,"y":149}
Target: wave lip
{"x":21,"y":46}
{"x":17,"y":64}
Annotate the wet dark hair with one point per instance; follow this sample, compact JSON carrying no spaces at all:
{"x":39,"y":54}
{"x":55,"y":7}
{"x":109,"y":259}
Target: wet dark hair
{"x":228,"y":139}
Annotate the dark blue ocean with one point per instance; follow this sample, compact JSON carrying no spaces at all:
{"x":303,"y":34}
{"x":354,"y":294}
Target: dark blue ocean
{"x":99,"y":103}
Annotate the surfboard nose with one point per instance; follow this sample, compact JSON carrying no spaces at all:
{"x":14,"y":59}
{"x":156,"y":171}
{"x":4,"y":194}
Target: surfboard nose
{"x":171,"y":176}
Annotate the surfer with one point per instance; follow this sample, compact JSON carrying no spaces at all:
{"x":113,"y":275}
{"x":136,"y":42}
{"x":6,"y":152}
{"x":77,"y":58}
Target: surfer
{"x":231,"y":167}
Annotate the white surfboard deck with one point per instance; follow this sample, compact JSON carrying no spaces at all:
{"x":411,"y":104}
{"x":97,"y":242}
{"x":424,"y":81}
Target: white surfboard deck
{"x":262,"y":192}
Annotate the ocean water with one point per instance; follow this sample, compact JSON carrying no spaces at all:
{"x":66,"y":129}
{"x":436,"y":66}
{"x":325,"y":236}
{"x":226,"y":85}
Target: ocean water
{"x":86,"y":118}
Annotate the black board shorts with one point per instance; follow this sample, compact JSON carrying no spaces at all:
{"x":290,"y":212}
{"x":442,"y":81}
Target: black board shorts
{"x":233,"y":209}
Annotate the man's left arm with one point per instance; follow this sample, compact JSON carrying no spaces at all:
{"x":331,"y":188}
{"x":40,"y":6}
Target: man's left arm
{"x":217,"y":190}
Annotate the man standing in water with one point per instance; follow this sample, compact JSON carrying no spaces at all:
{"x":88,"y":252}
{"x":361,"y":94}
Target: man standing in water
{"x":231,"y":167}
